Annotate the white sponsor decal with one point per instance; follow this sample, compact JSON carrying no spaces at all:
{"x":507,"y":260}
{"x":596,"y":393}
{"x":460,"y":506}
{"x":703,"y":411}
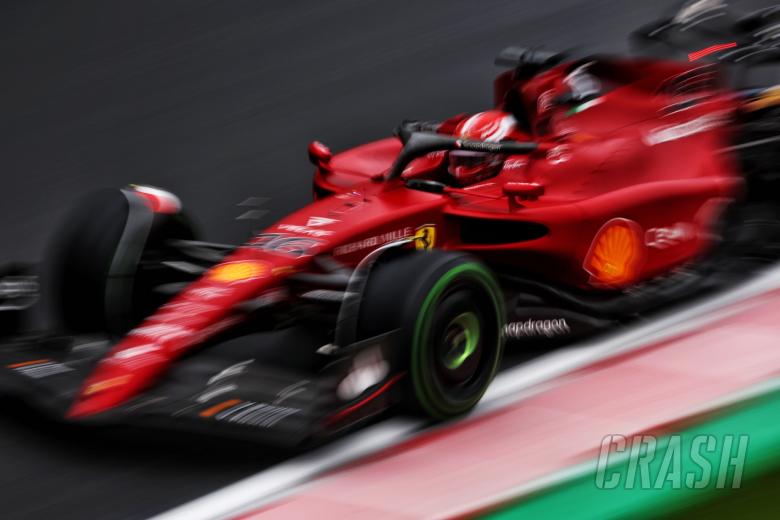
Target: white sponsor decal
{"x":181,"y":310}
{"x":161,"y":332}
{"x":303,"y":230}
{"x":140,"y":350}
{"x":188,"y":307}
{"x":531,"y":328}
{"x":283,"y":244}
{"x":374,"y":241}
{"x":663,"y":237}
{"x":320,"y":221}
{"x":559,"y":154}
{"x":695,"y":126}
{"x":212,"y":330}
{"x":209,"y":293}
{"x":515,"y":164}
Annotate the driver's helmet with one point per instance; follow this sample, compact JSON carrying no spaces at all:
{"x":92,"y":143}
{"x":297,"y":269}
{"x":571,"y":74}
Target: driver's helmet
{"x":577,"y":86}
{"x":582,"y":84}
{"x":491,"y":126}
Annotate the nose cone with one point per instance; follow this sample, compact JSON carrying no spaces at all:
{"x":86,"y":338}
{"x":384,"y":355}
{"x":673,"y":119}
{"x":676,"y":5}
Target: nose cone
{"x":201,"y":311}
{"x":86,"y":407}
{"x":120,"y":377}
{"x":113,"y":392}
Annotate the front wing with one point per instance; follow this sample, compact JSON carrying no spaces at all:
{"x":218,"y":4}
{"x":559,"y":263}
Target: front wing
{"x":266,"y":387}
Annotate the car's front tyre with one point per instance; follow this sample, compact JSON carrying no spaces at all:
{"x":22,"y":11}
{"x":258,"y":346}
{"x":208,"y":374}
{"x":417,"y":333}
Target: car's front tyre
{"x":102,"y":263}
{"x":449,"y":309}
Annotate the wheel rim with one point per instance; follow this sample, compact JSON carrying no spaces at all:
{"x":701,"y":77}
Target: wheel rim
{"x":462,"y":338}
{"x":445,"y":391}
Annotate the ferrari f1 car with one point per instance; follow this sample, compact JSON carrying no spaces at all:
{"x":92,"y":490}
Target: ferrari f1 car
{"x":594,"y":191}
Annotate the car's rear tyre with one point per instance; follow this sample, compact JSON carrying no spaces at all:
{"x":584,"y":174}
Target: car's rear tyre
{"x":93,"y":275}
{"x":449,"y":309}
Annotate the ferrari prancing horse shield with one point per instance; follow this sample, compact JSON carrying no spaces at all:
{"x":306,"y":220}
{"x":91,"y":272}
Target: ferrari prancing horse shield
{"x":425,"y":237}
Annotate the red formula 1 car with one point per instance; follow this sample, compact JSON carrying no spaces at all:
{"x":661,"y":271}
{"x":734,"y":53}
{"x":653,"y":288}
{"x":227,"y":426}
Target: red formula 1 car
{"x":596,"y":190}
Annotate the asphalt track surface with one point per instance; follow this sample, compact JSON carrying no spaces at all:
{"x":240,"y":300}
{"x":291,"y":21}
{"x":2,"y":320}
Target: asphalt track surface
{"x":217,"y":100}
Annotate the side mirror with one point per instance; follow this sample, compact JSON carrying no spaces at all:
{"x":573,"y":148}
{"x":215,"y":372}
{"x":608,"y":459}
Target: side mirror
{"x":319,"y":154}
{"x":522,"y":191}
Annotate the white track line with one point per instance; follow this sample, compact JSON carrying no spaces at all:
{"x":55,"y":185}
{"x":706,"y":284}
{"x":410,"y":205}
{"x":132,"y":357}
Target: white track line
{"x":509,"y":386}
{"x":590,"y":466}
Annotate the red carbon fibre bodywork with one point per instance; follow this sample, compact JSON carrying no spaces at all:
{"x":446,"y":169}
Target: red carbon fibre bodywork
{"x":638,"y":154}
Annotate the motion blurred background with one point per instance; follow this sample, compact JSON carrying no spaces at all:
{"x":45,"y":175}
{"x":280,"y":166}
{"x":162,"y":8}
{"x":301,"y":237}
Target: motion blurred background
{"x":216,"y":101}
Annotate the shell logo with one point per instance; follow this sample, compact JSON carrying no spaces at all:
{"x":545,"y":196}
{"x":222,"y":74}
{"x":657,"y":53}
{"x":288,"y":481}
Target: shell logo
{"x":239,"y":271}
{"x":616,"y":254}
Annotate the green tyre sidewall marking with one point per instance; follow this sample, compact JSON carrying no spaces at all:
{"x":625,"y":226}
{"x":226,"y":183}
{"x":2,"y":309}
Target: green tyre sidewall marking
{"x":470,"y":325}
{"x":420,"y":373}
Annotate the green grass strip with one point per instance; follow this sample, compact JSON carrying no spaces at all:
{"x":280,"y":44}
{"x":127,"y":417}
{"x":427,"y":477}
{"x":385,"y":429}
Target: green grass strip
{"x":580,"y":497}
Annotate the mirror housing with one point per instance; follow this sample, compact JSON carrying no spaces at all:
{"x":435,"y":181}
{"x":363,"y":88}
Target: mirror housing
{"x":319,"y":154}
{"x":522,"y":191}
